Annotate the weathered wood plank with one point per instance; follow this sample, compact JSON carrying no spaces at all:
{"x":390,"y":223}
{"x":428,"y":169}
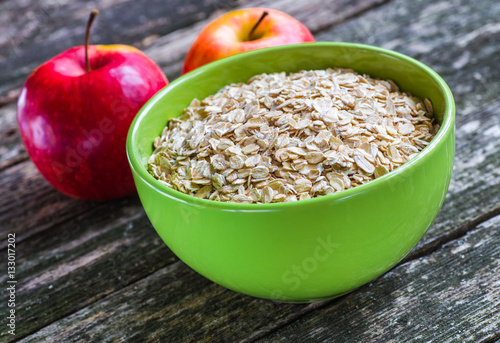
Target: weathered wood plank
{"x":452,"y":295}
{"x":10,"y":97}
{"x":44,"y":251}
{"x":476,"y":173}
{"x":29,"y":204}
{"x":89,"y":266}
{"x":34,"y":31}
{"x":11,"y":148}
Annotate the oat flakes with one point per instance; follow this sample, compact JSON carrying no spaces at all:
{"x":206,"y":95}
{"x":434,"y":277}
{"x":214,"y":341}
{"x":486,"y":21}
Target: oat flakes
{"x":291,"y":137}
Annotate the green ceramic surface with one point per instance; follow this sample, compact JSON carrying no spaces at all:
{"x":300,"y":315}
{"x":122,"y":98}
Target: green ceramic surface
{"x":312,"y":249}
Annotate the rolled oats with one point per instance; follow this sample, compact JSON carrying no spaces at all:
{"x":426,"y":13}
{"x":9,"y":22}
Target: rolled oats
{"x":291,"y":137}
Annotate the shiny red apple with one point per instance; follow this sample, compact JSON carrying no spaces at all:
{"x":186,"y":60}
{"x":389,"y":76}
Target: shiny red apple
{"x":74,"y":117}
{"x":244,"y":30}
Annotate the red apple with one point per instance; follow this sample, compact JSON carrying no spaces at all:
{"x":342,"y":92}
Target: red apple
{"x":74,"y":121}
{"x":244,"y":30}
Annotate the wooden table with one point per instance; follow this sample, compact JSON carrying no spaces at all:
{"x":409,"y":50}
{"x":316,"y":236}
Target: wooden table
{"x":98,"y":272}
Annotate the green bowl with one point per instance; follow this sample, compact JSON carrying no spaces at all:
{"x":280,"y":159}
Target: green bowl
{"x":311,"y":249}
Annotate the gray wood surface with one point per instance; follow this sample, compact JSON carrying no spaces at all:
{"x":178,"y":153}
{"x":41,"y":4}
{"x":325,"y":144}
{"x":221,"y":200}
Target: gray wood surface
{"x":34,"y":31}
{"x":427,"y":299}
{"x":97,"y":272}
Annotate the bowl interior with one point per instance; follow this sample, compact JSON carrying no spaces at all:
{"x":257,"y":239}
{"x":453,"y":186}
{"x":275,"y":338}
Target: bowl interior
{"x":409,"y":74}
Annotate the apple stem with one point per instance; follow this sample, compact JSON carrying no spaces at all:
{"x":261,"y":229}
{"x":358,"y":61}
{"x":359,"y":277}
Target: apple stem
{"x":92,"y":16}
{"x":257,"y":24}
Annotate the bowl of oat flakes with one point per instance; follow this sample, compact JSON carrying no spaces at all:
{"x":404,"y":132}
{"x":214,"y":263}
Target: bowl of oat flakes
{"x":296,"y":173}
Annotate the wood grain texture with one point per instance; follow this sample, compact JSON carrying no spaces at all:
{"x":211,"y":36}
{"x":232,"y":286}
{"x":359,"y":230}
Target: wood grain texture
{"x":12,"y":150}
{"x":29,"y":204}
{"x":450,"y":296}
{"x":34,"y":31}
{"x":88,"y":267}
{"x":165,"y":307}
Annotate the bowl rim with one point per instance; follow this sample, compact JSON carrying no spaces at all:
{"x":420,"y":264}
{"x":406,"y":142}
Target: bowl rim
{"x":140,"y":171}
